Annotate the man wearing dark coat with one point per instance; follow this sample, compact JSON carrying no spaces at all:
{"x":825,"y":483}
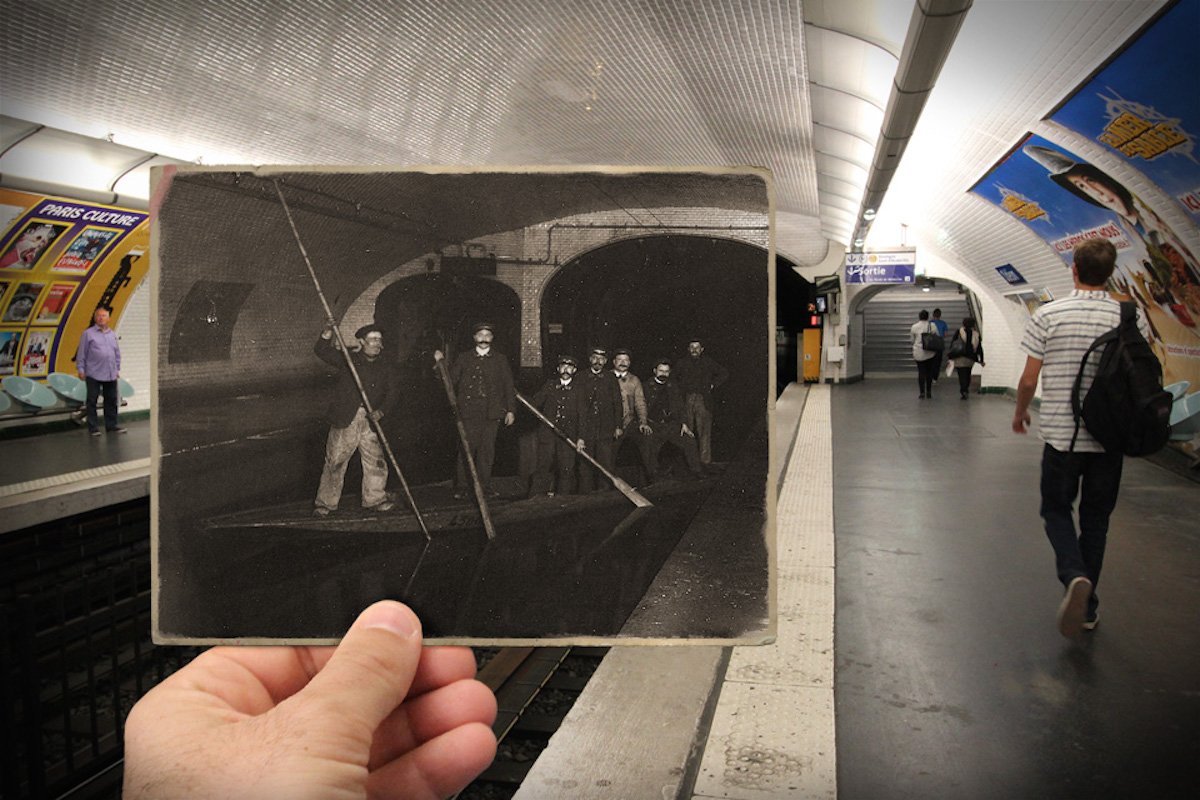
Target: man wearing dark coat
{"x":483,"y":385}
{"x":602,"y":420}
{"x":350,"y":425}
{"x":698,"y":375}
{"x":563,"y":401}
{"x":665,"y":416}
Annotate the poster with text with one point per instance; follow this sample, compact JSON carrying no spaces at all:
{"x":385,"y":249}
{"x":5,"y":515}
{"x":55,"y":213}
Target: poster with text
{"x":10,"y":351}
{"x":38,"y":345}
{"x":21,"y":304}
{"x":54,"y":303}
{"x":31,"y":242}
{"x":86,"y":249}
{"x":1145,"y":108}
{"x":1066,"y":200}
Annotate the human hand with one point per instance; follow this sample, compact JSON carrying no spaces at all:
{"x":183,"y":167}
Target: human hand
{"x":510,"y":418}
{"x":580,"y":445}
{"x":684,"y":430}
{"x":379,"y":716}
{"x":1020,"y":420}
{"x":645,"y":429}
{"x":377,"y":415}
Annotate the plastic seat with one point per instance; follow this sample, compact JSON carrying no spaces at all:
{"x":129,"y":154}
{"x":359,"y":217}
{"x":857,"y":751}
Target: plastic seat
{"x":1177,"y":390}
{"x":30,"y":394}
{"x":125,"y":388}
{"x":5,"y":403}
{"x":1185,"y":417}
{"x":68,"y":387}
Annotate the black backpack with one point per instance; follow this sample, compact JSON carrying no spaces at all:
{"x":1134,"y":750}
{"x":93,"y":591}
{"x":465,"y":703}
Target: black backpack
{"x":1126,"y":409}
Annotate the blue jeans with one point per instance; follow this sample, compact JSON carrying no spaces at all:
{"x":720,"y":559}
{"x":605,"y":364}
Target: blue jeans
{"x":1095,"y":478}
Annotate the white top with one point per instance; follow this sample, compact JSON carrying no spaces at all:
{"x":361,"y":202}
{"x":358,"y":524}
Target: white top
{"x":1059,"y":333}
{"x":919,"y":327}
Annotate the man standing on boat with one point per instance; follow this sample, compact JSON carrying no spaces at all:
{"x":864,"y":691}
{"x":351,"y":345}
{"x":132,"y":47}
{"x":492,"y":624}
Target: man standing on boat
{"x":665,"y":413}
{"x":698,"y":376}
{"x":483,"y":386}
{"x":351,"y":427}
{"x":564,"y":402}
{"x":633,"y":405}
{"x":601,"y":423}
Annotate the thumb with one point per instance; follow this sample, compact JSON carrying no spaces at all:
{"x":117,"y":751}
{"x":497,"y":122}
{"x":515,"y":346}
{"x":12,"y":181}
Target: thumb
{"x":372,"y":668}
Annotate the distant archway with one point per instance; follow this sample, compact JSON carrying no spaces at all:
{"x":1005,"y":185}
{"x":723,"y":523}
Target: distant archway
{"x":651,"y":294}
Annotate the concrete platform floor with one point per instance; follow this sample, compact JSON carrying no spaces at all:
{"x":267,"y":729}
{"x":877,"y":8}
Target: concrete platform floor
{"x":951,"y":679}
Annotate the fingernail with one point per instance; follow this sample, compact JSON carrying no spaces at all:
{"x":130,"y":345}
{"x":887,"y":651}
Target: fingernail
{"x":391,"y":616}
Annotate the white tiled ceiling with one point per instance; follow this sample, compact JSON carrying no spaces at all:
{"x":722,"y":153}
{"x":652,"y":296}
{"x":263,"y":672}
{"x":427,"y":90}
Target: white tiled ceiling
{"x":796,"y":87}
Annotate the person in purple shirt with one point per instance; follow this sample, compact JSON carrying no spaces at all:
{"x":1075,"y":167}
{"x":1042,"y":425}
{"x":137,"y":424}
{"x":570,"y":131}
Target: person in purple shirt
{"x":98,"y":361}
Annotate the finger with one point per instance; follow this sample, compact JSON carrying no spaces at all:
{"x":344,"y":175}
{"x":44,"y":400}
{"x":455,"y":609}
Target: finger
{"x":439,"y":768}
{"x":371,"y":671}
{"x":442,"y":666}
{"x":424,"y":718}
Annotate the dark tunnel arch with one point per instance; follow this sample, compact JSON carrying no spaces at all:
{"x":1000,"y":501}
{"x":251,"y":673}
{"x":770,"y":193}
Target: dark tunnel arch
{"x":650,"y":295}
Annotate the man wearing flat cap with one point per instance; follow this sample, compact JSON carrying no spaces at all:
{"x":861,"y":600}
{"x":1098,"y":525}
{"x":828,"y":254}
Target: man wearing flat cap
{"x":698,"y":376}
{"x":563,"y":401}
{"x":601,"y":423}
{"x":351,"y":427}
{"x":483,"y":386}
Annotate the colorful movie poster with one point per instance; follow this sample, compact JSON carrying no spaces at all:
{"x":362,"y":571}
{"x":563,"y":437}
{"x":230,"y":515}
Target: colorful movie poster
{"x":1145,"y":108}
{"x":30,"y":243}
{"x":38,"y":344}
{"x":86,"y":249}
{"x":4,"y":291}
{"x":21,"y":304}
{"x":10,"y":350}
{"x":1066,"y":200}
{"x":54,"y":303}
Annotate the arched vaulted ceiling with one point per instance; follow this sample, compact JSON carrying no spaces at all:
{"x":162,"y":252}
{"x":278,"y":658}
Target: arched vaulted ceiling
{"x":96,"y":92}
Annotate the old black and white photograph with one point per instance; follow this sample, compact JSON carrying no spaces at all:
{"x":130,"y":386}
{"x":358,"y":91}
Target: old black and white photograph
{"x":532,"y":404}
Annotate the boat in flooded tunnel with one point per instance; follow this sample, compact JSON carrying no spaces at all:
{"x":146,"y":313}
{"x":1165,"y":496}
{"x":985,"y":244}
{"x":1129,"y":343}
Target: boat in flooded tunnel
{"x":241,"y":432}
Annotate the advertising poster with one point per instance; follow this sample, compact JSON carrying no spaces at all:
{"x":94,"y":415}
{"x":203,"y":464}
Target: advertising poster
{"x":10,"y":351}
{"x":1144,"y":106}
{"x":1066,"y":200}
{"x":70,"y":256}
{"x":30,"y":242}
{"x":54,"y":303}
{"x":86,"y":249}
{"x":21,"y":304}
{"x":38,"y":345}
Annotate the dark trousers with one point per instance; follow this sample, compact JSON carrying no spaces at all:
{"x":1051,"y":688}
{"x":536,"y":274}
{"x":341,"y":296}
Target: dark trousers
{"x":925,"y":376}
{"x":1095,"y":478}
{"x":964,"y":379}
{"x":599,"y":444}
{"x":111,"y":403}
{"x":937,"y":365}
{"x":481,"y":436}
{"x":669,"y":434}
{"x":555,"y":455}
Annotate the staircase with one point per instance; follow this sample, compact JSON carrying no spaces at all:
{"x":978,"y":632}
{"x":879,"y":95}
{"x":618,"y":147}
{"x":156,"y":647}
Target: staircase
{"x":887,"y":344}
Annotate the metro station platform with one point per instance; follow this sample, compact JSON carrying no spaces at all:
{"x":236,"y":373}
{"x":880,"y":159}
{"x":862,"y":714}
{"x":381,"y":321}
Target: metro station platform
{"x":923,"y":660}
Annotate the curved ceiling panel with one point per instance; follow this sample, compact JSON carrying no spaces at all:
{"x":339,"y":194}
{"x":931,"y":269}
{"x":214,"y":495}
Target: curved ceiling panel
{"x":850,"y":65}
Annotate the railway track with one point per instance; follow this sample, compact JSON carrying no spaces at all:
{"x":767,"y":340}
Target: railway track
{"x":535,"y":687}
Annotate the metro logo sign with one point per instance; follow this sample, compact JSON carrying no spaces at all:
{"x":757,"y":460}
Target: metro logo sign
{"x":894,"y":266}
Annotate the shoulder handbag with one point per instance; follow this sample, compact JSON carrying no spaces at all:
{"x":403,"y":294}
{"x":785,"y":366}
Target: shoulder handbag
{"x":958,"y":347}
{"x":932,"y":341}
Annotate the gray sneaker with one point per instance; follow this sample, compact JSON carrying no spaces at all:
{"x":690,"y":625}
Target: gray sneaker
{"x":1072,"y":611}
{"x":1091,"y":623}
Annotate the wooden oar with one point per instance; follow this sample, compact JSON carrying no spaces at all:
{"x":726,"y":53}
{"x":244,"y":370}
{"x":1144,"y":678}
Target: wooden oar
{"x":466,"y":445}
{"x":621,"y":486}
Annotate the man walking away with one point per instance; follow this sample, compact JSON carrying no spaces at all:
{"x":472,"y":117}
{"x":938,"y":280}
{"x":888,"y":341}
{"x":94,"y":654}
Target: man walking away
{"x":1056,"y":338}
{"x":941,"y":326}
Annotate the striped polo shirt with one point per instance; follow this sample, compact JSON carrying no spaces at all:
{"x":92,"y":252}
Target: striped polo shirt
{"x":1059,"y":333}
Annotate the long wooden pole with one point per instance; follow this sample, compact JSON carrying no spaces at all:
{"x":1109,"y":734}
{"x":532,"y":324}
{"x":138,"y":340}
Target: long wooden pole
{"x":624,"y":488}
{"x":337,"y":333}
{"x":480,"y":500}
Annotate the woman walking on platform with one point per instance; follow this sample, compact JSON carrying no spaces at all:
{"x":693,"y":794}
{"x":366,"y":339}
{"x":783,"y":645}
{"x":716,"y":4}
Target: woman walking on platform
{"x":965,"y":349}
{"x":924,"y":358}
